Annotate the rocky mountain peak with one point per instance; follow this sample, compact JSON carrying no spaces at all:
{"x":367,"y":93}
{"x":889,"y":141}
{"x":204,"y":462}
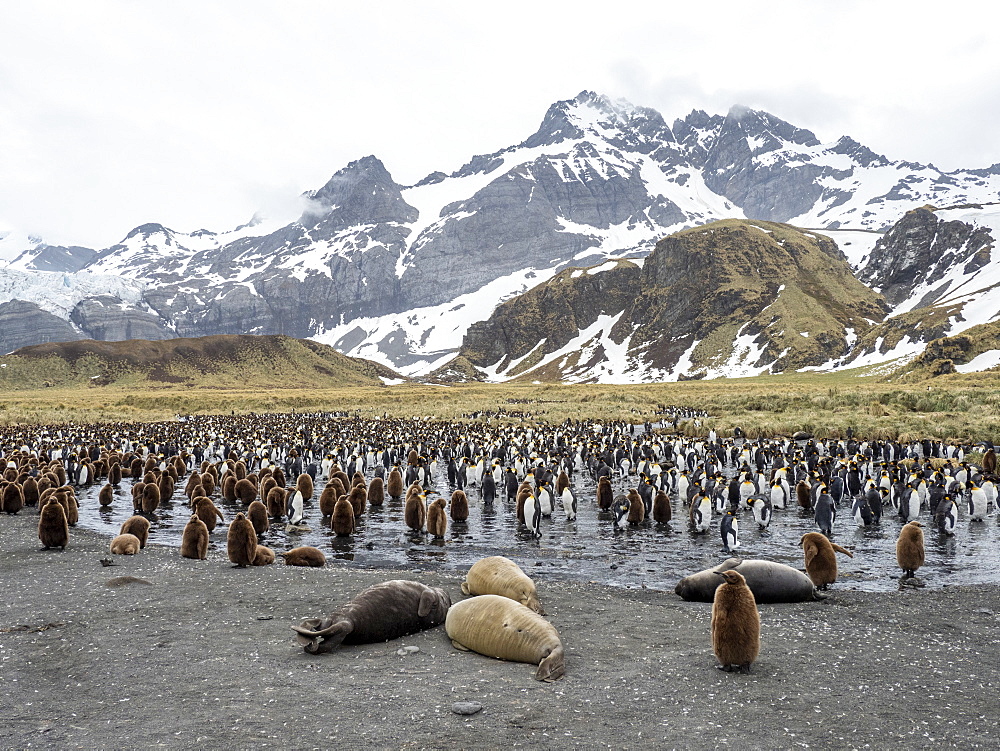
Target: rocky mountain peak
{"x":363,"y":192}
{"x":618,"y":121}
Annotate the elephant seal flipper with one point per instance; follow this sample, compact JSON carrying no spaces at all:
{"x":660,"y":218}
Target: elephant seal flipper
{"x":316,"y":639}
{"x":553,"y":667}
{"x":462,"y":647}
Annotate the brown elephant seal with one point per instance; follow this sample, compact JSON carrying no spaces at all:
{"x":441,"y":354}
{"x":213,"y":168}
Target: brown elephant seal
{"x":497,"y":575}
{"x":735,"y":623}
{"x":498,"y":627}
{"x":769,"y":581}
{"x":382,"y":612}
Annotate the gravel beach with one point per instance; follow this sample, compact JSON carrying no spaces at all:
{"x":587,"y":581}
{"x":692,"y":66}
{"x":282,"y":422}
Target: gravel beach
{"x":203,"y":656}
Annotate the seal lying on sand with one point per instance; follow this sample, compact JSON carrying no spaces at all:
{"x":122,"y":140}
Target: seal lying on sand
{"x":382,"y":612}
{"x":770,"y":582}
{"x":499,"y":627}
{"x":497,"y":575}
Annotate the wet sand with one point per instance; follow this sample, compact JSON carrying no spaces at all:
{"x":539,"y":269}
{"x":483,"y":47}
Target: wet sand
{"x":204,"y":656}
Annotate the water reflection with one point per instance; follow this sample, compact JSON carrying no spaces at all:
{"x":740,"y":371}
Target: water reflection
{"x":590,"y":548}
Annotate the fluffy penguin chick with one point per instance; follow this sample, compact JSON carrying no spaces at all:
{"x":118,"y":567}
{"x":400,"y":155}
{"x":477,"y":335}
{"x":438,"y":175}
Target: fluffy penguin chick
{"x":910,"y":548}
{"x":735,"y":624}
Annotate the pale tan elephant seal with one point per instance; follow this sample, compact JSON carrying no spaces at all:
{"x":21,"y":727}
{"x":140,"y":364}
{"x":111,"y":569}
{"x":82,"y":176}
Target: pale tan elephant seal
{"x":497,"y":575}
{"x":498,"y":627}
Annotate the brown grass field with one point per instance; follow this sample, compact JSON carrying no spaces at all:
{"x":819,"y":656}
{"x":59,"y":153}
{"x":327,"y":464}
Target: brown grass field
{"x":959,"y":407}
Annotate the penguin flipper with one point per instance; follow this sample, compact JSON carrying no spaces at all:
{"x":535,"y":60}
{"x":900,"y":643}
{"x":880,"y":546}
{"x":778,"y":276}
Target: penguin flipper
{"x":845,"y":551}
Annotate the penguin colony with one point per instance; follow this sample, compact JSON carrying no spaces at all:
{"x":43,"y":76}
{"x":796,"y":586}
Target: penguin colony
{"x":326,"y":470}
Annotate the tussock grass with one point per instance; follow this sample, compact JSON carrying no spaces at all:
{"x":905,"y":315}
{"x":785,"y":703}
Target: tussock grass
{"x":958,"y":407}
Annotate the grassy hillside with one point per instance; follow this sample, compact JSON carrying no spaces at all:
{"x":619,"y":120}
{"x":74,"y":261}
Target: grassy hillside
{"x":205,"y":362}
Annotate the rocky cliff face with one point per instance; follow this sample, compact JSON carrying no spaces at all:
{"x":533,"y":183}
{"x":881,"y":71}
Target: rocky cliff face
{"x":919,"y":251}
{"x":732,"y":297}
{"x":24,"y":323}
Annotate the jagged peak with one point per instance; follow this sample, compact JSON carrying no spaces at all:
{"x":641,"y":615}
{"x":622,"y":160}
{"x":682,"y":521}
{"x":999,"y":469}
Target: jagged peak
{"x":145,"y":230}
{"x":761,"y":124}
{"x":597,"y":114}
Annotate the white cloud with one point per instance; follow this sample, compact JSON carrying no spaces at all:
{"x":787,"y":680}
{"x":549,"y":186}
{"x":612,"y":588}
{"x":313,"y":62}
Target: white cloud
{"x":197,"y":114}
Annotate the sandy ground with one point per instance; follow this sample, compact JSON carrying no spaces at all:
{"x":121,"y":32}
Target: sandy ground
{"x":203,"y":656}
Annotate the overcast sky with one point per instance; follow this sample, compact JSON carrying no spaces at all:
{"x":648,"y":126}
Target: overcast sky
{"x":198,"y":114}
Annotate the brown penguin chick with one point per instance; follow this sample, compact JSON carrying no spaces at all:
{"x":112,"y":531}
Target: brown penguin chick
{"x":194,"y":480}
{"x":115,"y":474}
{"x":636,"y":507}
{"x":328,"y":499}
{"x":910,"y":548}
{"x":266,"y":483}
{"x":67,"y":498}
{"x":803,"y":496}
{"x":125,"y":545}
{"x":29,"y":489}
{"x":662,"y":512}
{"x":306,"y":555}
{"x":605,"y":494}
{"x":524,"y":492}
{"x":264,"y":556}
{"x":11,"y":498}
{"x":990,"y":462}
{"x":150,"y":498}
{"x":358,"y":499}
{"x":138,"y":526}
{"x":394,"y":484}
{"x":344,"y":479}
{"x":358,"y":479}
{"x":376,"y":492}
{"x":415,"y":513}
{"x":459,"y":507}
{"x":279,"y":476}
{"x":241,"y":542}
{"x":228,"y":487}
{"x":342,"y":519}
{"x":562,"y":482}
{"x":135,"y":469}
{"x":194,"y":539}
{"x":53,"y":529}
{"x":165,"y":484}
{"x":137,"y":489}
{"x":276,"y":502}
{"x":107,"y":495}
{"x":207,"y":511}
{"x":245,"y":491}
{"x":735,"y":624}
{"x":820,"y":558}
{"x":437,"y":518}
{"x":412,"y":458}
{"x":257,"y":514}
{"x":209,"y":483}
{"x":240,"y":471}
{"x":304,"y":484}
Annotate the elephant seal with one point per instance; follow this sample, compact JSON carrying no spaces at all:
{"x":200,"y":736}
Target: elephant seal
{"x":497,"y":575}
{"x":498,"y":627}
{"x":382,"y":612}
{"x":770,"y":582}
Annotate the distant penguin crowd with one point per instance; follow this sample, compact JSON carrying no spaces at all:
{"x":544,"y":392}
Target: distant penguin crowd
{"x":329,"y":469}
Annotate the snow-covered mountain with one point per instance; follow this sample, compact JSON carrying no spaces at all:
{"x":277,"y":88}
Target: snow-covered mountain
{"x":398,"y":273}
